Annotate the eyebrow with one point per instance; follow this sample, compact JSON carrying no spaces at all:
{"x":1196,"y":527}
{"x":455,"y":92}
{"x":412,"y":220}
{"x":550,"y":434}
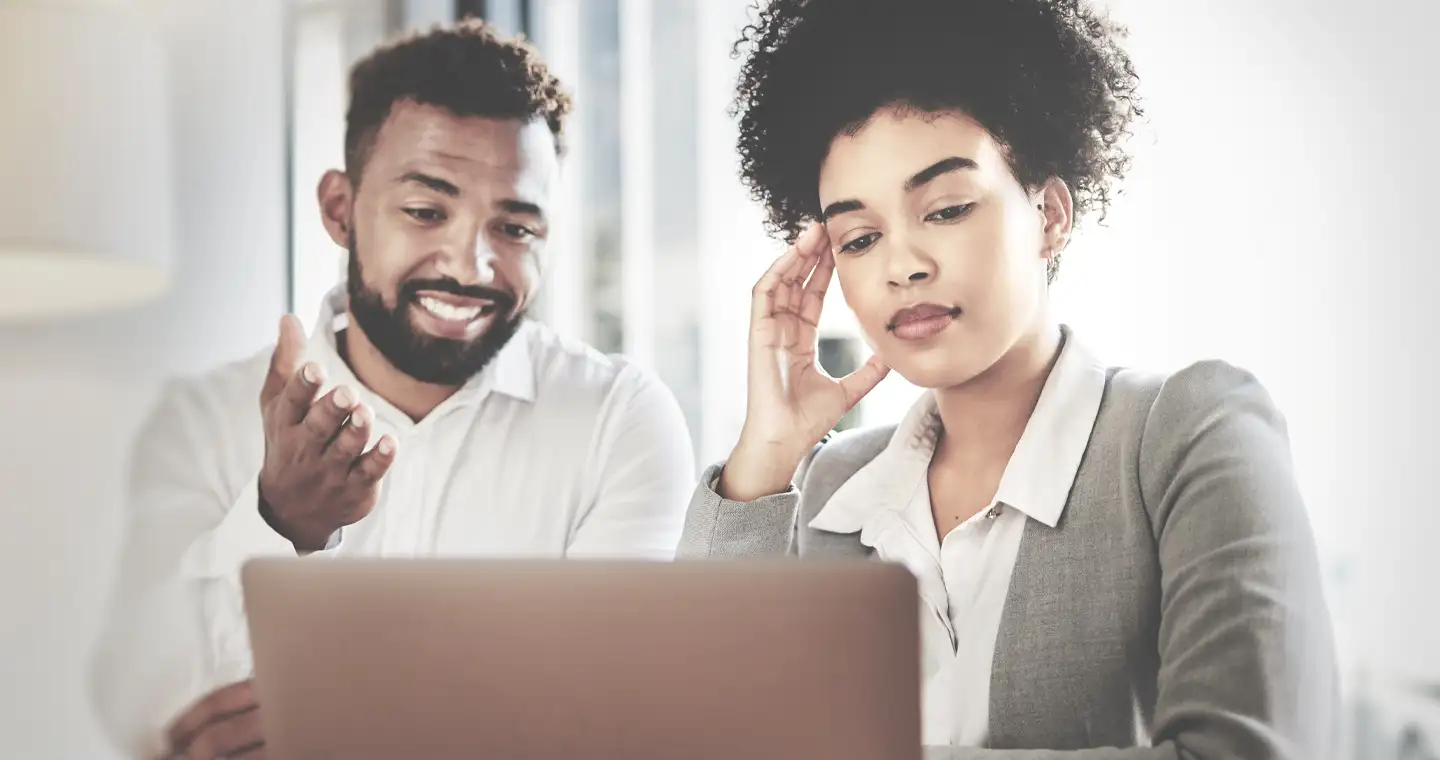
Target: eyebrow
{"x":522,"y":207}
{"x":840,"y":207}
{"x":917,"y":180}
{"x":434,"y":183}
{"x":943,"y":166}
{"x":509,"y":205}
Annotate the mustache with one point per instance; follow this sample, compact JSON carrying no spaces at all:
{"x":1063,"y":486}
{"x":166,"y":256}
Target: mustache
{"x":410,"y":290}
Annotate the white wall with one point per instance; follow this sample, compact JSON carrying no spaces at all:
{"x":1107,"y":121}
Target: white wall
{"x":71,"y":394}
{"x":1278,"y":219}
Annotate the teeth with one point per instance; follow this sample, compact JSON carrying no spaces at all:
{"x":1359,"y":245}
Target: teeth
{"x":446,"y":311}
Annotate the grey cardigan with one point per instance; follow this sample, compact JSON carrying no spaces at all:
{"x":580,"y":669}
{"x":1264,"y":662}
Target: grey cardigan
{"x":1176,"y":610}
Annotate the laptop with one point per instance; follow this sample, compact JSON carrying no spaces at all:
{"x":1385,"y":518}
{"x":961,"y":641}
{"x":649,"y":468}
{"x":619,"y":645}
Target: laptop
{"x":371,"y":659}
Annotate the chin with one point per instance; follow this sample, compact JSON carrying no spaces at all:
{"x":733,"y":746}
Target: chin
{"x":933,"y":370}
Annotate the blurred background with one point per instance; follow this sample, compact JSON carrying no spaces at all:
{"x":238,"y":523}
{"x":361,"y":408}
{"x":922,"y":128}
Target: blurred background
{"x":1278,"y":215}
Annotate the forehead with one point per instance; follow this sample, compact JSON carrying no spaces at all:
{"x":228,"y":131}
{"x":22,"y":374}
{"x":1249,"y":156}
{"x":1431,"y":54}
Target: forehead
{"x":471,"y":149}
{"x":895,"y":144}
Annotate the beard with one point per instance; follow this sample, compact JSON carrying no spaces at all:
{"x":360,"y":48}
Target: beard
{"x":427,"y":358}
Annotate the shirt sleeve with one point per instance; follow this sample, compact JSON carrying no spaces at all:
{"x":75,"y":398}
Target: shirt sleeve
{"x":176,"y":629}
{"x":645,"y":469}
{"x":719,"y":528}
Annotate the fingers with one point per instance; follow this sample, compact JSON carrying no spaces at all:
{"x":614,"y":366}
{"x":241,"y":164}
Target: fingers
{"x":769,"y":289}
{"x":228,"y":737}
{"x":813,"y":301}
{"x":326,"y":415}
{"x":285,"y":359}
{"x":300,"y":389}
{"x":227,"y":700}
{"x":369,"y":468}
{"x":353,"y":436}
{"x":810,"y":245}
{"x":778,"y":294}
{"x":860,"y":382}
{"x":771,"y":292}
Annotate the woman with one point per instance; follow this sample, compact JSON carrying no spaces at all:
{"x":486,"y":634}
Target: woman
{"x":1108,"y":559}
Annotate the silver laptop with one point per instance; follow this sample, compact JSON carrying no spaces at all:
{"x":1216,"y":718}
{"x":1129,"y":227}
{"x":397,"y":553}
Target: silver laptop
{"x":585,"y":660}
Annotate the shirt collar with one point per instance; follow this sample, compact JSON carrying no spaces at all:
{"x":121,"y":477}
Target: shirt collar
{"x":870,"y":500}
{"x":1036,"y":481}
{"x":1041,"y":471}
{"x":510,"y":373}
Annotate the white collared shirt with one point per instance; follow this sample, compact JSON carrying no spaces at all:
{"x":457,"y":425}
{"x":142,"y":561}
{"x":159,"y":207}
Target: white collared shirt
{"x":554,"y":450}
{"x":964,"y":579}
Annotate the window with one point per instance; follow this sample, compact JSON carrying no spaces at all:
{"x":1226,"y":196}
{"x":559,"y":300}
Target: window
{"x":328,"y":36}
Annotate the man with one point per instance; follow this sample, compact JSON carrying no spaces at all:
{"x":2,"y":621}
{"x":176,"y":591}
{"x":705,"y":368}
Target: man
{"x":425,"y":416}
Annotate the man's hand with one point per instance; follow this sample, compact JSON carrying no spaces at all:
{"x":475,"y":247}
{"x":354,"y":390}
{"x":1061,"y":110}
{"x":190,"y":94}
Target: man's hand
{"x":225,"y":725}
{"x":317,"y":476}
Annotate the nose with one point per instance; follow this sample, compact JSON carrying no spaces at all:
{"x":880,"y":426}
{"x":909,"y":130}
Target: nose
{"x":908,"y":264}
{"x":469,"y":257}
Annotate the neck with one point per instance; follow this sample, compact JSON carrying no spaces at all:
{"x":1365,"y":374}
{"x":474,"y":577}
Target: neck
{"x":986,"y":416}
{"x":371,"y":368}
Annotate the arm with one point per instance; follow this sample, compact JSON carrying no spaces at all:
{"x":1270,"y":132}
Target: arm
{"x":719,"y":528}
{"x":1247,"y":657}
{"x":1247,"y":663}
{"x":645,"y":466}
{"x":175,"y":628}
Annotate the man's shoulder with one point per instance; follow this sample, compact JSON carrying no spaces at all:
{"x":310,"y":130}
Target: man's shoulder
{"x":569,"y":369}
{"x":238,"y":377}
{"x":223,"y":391}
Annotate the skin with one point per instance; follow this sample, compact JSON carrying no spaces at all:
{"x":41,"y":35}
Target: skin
{"x":965,"y":234}
{"x":918,"y":208}
{"x":441,"y":197}
{"x":484,"y":222}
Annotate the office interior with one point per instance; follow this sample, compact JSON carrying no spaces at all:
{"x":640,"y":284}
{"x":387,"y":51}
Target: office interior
{"x":1277,"y":215}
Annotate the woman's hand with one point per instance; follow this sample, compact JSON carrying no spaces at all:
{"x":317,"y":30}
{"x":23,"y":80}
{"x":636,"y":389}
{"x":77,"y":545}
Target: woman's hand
{"x":792,"y":403}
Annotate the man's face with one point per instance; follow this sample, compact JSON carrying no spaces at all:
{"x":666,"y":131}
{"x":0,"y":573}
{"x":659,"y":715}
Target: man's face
{"x":445,"y":233}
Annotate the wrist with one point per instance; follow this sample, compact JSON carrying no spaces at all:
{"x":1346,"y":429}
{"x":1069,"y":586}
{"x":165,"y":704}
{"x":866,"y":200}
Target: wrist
{"x":302,"y":540}
{"x":753,"y":472}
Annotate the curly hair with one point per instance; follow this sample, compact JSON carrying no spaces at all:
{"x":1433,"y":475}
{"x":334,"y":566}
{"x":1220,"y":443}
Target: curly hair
{"x":465,"y":68}
{"x":1047,"y":78}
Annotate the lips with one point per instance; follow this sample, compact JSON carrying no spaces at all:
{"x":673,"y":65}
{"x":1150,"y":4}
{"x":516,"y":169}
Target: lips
{"x":922,"y":320}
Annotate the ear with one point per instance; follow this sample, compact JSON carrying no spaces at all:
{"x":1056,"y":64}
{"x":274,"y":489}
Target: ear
{"x":337,"y":197}
{"x":1057,"y":212}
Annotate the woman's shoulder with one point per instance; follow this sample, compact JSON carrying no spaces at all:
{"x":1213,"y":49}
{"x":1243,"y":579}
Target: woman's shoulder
{"x":1178,"y":420}
{"x":1183,"y":402}
{"x":842,"y":453}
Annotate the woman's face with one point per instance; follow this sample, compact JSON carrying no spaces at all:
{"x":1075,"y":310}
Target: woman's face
{"x":940,"y":252}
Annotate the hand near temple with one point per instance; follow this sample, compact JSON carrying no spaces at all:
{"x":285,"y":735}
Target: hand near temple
{"x":792,"y":403}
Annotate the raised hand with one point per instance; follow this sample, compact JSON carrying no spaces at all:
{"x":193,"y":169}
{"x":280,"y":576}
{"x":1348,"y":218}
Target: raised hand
{"x":317,"y":476}
{"x":792,"y":403}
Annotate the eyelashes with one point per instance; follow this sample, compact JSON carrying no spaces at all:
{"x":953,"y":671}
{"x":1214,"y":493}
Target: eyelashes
{"x":950,"y":213}
{"x":426,"y":215}
{"x":947,"y":215}
{"x":860,"y":244}
{"x":433,"y":216}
